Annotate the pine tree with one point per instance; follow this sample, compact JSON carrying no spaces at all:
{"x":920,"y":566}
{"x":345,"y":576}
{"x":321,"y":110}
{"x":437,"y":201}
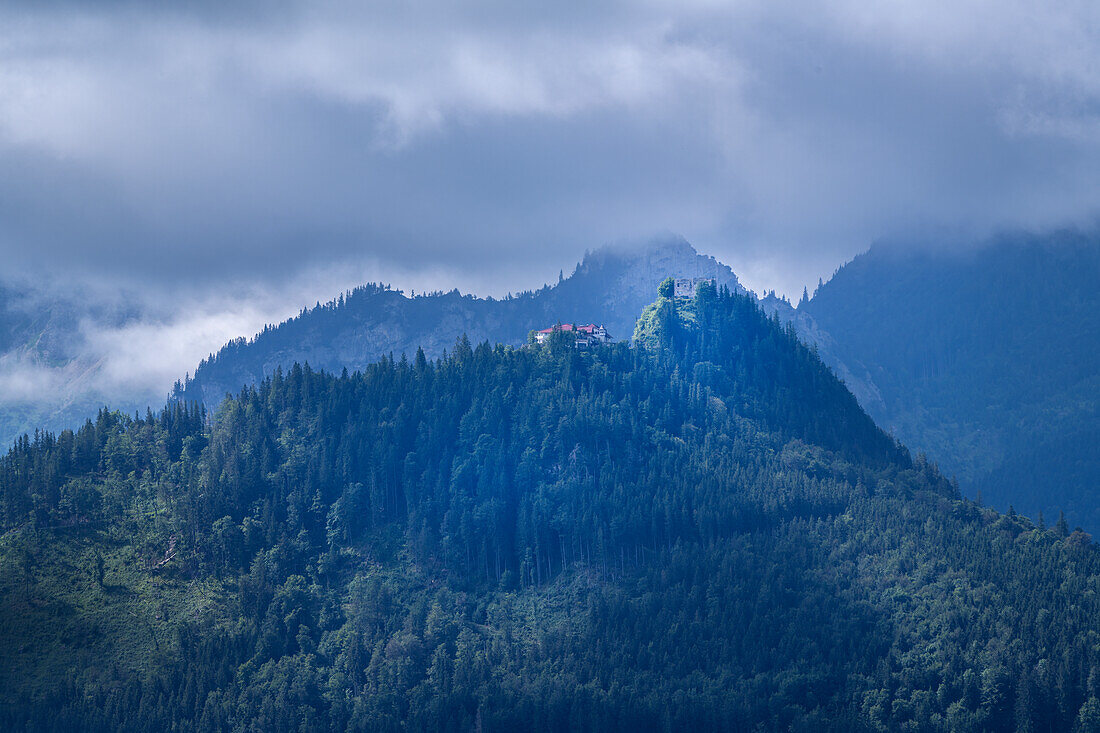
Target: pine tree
{"x":1063,"y":526}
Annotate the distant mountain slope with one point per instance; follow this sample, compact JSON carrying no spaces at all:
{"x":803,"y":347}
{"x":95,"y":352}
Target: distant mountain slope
{"x":987,"y":358}
{"x":48,"y":378}
{"x":610,"y":286}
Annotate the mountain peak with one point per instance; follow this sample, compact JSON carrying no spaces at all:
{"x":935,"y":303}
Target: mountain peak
{"x":646,"y":263}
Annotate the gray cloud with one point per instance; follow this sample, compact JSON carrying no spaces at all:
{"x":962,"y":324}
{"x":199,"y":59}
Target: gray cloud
{"x":202,"y":144}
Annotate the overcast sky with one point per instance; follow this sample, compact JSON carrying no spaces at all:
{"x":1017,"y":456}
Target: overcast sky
{"x":490,"y":144}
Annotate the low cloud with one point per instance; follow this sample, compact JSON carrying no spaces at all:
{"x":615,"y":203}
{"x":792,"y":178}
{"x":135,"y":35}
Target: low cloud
{"x":24,"y":381}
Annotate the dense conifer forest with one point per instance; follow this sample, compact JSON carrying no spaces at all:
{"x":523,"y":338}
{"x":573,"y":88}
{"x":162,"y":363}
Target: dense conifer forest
{"x":703,"y":531}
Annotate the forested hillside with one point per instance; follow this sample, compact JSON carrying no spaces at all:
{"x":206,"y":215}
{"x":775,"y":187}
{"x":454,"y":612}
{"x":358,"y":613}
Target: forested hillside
{"x":985,"y":357}
{"x":610,"y":286}
{"x":704,"y":531}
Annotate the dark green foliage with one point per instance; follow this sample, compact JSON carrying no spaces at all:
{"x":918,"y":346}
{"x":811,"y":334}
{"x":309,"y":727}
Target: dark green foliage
{"x":52,"y":481}
{"x":666,"y":288}
{"x":703,"y":532}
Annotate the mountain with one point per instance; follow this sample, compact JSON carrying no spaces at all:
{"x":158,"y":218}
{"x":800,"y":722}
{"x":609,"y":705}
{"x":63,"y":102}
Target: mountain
{"x":610,"y":286}
{"x":702,"y":532}
{"x":979,"y":356}
{"x":49,"y":377}
{"x":982,"y":356}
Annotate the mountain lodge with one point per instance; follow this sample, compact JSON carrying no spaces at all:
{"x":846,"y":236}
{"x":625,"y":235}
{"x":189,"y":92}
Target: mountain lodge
{"x":586,"y":334}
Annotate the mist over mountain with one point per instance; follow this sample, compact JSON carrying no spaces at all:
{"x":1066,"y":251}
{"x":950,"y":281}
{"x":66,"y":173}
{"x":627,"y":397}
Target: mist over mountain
{"x":610,"y":287}
{"x":49,"y":378}
{"x":66,"y":350}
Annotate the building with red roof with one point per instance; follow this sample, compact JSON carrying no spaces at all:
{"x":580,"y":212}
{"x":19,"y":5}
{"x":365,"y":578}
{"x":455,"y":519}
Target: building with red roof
{"x":585,"y":334}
